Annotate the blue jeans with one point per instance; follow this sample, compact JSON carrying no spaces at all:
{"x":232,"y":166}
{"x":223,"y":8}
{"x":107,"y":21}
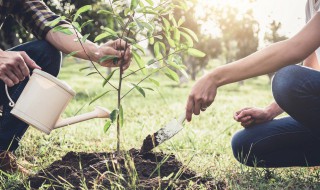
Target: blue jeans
{"x":11,"y":128}
{"x":289,"y":141}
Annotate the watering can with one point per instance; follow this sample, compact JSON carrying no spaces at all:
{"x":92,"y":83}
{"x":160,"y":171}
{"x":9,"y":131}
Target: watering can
{"x":44,"y":99}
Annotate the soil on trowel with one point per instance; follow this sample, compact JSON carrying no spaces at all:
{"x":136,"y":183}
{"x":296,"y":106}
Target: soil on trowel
{"x":131,"y":170}
{"x":149,"y":143}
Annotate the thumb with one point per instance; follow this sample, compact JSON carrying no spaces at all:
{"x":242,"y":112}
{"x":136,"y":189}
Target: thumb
{"x":29,"y":61}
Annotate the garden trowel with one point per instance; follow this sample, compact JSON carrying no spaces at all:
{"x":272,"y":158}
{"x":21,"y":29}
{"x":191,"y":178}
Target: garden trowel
{"x":165,"y":133}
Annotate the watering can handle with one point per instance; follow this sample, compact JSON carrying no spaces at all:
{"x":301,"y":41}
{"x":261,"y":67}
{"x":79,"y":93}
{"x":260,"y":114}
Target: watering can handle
{"x":11,"y":103}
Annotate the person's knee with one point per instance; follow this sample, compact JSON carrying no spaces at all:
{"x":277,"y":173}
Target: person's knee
{"x":51,"y":56}
{"x":242,"y":147}
{"x":286,"y":85}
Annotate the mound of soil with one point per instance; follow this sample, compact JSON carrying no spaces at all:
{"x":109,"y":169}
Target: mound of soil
{"x":130,"y":171}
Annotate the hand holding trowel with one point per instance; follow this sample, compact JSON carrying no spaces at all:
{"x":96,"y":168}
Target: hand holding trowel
{"x":165,"y":133}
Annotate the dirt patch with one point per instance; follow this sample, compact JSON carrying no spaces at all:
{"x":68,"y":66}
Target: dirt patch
{"x":130,"y":171}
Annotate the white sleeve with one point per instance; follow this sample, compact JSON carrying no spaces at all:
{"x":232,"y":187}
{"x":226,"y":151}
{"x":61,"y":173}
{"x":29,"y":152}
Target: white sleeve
{"x":308,"y":13}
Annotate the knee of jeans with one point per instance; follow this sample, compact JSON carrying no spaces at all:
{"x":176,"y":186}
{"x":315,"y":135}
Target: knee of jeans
{"x":285,"y":84}
{"x":242,"y":147}
{"x":52,"y":56}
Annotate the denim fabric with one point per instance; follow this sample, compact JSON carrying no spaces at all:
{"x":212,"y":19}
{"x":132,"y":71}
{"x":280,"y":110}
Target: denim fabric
{"x":11,"y":128}
{"x":289,"y":141}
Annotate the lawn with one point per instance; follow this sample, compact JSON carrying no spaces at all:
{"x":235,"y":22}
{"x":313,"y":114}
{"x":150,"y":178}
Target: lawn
{"x":204,"y":144}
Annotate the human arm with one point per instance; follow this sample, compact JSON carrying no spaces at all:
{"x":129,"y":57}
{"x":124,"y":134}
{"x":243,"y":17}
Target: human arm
{"x":312,"y":61}
{"x":89,"y":50}
{"x":268,"y":60}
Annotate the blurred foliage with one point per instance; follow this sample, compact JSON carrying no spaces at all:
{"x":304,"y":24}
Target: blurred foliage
{"x":12,"y":34}
{"x":237,"y":36}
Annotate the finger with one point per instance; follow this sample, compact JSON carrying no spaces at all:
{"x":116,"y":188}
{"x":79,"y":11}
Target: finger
{"x":7,"y":81}
{"x":29,"y":61}
{"x":18,"y":73}
{"x":244,"y":114}
{"x":12,"y":77}
{"x":196,"y":107}
{"x":119,"y":44}
{"x":238,"y":112}
{"x":245,"y":119}
{"x":189,"y":108}
{"x":24,"y":69}
{"x":248,"y":123}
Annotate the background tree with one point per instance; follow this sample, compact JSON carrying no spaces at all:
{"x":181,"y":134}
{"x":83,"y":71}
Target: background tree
{"x":273,"y":36}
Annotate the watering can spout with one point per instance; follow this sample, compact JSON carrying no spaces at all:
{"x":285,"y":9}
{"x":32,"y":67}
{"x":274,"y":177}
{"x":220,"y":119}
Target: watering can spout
{"x":99,"y":112}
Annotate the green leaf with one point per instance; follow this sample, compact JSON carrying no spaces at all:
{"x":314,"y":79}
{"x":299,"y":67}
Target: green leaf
{"x":84,"y":68}
{"x":63,"y":29}
{"x":189,"y":40}
{"x":170,"y":41}
{"x":154,"y":82}
{"x":108,"y":78}
{"x":191,"y":33}
{"x":84,"y":38}
{"x":176,"y":34}
{"x":150,"y":2}
{"x":172,"y":75}
{"x":139,"y":61}
{"x":121,"y":116}
{"x":148,"y":88}
{"x":99,"y":96}
{"x":139,"y":48}
{"x":86,"y":23}
{"x":105,"y":12}
{"x":72,"y":54}
{"x":151,"y":40}
{"x":110,"y":31}
{"x":134,"y":4}
{"x":139,"y":89}
{"x":76,"y":25}
{"x":195,"y":53}
{"x":114,"y":115}
{"x":166,"y":24}
{"x":92,"y":73}
{"x":181,"y":21}
{"x":107,"y":125}
{"x":82,"y":10}
{"x":108,"y":57}
{"x":156,"y":49}
{"x":102,"y":36}
{"x":56,"y":21}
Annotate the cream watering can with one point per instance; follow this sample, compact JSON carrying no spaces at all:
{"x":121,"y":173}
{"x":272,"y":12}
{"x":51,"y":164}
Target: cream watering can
{"x":44,"y":99}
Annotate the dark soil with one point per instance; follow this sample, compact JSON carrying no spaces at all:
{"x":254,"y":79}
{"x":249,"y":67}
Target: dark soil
{"x":130,"y":171}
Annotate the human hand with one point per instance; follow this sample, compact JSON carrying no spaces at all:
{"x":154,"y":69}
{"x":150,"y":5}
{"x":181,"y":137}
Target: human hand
{"x":250,"y":116}
{"x":201,"y":96}
{"x":116,"y":48}
{"x":14,"y":66}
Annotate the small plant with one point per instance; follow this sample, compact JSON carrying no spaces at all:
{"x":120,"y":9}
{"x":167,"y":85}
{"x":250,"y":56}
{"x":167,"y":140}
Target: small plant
{"x":136,"y":22}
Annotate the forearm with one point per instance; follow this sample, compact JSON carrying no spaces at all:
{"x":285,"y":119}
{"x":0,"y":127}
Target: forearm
{"x":273,"y":110}
{"x":70,"y":43}
{"x":312,"y":61}
{"x":262,"y":62}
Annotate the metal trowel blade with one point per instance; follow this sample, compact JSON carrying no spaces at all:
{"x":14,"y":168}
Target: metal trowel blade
{"x":162,"y":135}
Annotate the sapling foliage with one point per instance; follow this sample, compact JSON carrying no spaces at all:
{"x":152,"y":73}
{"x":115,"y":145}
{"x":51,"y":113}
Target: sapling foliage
{"x":138,"y":22}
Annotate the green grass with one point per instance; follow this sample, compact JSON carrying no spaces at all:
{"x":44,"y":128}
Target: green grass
{"x":204,"y":143}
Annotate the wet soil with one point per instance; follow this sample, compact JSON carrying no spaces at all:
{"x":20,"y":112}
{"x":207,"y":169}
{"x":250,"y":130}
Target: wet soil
{"x":131,"y":170}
